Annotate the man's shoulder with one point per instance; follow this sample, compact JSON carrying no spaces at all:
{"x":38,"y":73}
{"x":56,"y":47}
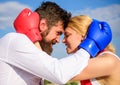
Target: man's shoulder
{"x":14,"y":36}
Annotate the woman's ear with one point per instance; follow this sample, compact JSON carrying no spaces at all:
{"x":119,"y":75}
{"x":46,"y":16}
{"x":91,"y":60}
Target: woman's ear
{"x":43,"y":25}
{"x":83,"y":37}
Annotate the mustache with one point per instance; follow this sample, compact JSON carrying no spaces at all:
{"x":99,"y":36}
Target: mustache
{"x":53,"y":42}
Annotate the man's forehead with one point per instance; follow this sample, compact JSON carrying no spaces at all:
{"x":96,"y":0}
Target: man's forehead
{"x":60,"y":26}
{"x":60,"y":23}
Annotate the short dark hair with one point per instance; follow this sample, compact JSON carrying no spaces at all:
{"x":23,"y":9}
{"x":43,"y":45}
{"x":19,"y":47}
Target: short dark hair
{"x":53,"y":13}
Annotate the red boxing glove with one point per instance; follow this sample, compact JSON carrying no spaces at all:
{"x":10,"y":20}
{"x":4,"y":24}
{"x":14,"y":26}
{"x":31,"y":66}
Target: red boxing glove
{"x":27,"y":22}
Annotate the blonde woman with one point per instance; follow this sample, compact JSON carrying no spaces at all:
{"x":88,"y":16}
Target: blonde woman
{"x":104,"y":69}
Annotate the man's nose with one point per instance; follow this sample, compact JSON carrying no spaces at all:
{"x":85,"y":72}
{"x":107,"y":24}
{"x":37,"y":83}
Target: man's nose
{"x":58,"y":39}
{"x":63,"y":40}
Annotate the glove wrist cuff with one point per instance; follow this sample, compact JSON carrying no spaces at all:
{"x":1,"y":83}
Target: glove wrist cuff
{"x":90,"y":46}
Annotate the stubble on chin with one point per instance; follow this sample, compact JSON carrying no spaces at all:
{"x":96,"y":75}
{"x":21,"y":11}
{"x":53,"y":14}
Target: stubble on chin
{"x":47,"y":47}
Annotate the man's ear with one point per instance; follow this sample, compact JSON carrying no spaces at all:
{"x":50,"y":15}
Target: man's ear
{"x":43,"y":25}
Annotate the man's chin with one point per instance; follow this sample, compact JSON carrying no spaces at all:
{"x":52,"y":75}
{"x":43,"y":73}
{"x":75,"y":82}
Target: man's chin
{"x":47,"y":47}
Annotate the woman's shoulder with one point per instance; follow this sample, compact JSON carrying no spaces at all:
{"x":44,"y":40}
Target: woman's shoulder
{"x":110,"y":55}
{"x":109,"y":59}
{"x":113,"y":64}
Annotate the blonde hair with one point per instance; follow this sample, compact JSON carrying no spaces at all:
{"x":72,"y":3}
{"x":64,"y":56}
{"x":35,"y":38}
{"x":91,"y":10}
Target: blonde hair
{"x":81,"y":24}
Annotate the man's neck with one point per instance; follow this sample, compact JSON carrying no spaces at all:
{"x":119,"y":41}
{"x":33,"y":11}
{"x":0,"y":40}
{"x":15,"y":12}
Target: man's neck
{"x":37,"y":44}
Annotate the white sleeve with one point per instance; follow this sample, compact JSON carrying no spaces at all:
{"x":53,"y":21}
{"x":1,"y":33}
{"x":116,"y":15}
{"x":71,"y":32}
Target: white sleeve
{"x":25,"y":55}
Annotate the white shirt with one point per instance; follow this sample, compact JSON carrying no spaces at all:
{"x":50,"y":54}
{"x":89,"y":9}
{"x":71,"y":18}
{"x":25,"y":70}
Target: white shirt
{"x":23,"y":63}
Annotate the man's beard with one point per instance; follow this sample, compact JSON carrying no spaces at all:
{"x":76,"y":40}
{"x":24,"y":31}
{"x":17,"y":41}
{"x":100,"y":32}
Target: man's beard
{"x":45,"y":45}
